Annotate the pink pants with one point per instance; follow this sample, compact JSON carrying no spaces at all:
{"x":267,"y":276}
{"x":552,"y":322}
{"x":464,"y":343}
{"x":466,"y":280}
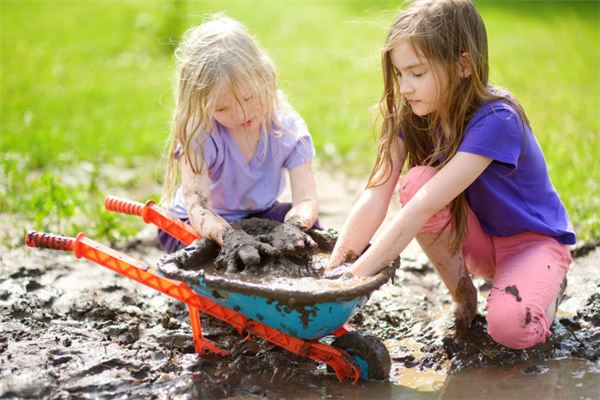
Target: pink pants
{"x":527,"y":270}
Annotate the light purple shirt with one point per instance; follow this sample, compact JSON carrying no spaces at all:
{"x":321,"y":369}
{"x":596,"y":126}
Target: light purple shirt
{"x":239,"y":188}
{"x":514,"y":193}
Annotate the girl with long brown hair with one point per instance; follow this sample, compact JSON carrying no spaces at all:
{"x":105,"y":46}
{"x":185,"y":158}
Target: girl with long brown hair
{"x":477,"y":195}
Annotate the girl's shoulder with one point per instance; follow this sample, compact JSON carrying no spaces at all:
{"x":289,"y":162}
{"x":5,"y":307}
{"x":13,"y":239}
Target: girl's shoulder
{"x":289,"y":125}
{"x":202,"y":135}
{"x":500,"y":109}
{"x":208,"y":142}
{"x":291,"y":138}
{"x":215,"y":137}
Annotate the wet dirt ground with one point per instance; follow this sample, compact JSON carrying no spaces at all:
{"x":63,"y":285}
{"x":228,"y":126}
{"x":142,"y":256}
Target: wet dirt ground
{"x":69,"y":328}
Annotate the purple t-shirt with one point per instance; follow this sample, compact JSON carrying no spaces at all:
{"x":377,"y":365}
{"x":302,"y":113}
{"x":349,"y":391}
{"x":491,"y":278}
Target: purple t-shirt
{"x":239,"y":188}
{"x":514,"y":193}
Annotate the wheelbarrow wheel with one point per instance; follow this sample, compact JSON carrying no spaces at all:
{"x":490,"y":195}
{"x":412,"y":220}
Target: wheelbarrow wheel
{"x":368,"y":351}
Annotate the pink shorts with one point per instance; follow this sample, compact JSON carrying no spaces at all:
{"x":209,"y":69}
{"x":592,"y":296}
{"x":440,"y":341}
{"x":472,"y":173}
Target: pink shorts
{"x":527,"y":270}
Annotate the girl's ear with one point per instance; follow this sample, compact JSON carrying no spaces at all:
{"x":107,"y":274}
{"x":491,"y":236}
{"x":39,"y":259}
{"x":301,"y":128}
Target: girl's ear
{"x":464,"y":65}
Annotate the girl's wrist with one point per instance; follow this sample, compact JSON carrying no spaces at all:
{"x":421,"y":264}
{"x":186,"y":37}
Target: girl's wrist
{"x":296,"y":221}
{"x":338,"y":254}
{"x":217,"y":235}
{"x":358,"y":269}
{"x":193,"y":208}
{"x":302,"y":223}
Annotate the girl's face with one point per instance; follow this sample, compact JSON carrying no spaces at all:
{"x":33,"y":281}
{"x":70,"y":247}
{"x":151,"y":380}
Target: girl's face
{"x":238,"y":115}
{"x":417,"y":79}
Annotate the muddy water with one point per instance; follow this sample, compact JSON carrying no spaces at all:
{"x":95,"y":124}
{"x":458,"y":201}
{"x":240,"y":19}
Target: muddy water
{"x":69,"y":328}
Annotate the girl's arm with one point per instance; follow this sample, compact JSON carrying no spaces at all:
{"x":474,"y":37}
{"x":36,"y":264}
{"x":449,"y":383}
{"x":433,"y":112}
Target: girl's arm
{"x":305,"y":207}
{"x":448,"y":183}
{"x":367,"y":213}
{"x":197,"y":202}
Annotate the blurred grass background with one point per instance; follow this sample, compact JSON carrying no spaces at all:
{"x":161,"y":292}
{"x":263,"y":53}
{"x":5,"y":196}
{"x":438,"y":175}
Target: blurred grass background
{"x":86,"y":93}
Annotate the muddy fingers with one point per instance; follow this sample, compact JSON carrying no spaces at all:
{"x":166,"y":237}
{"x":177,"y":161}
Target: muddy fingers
{"x":249,"y":256}
{"x":289,"y":238}
{"x":267,"y":249}
{"x":241,"y":250}
{"x":231,"y":266}
{"x":192,"y":257}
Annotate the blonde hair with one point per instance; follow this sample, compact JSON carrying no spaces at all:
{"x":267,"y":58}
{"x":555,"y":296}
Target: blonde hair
{"x":442,"y":30}
{"x":219,"y":51}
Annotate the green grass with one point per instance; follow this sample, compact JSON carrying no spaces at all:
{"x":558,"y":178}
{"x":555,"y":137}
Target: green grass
{"x":91,"y":81}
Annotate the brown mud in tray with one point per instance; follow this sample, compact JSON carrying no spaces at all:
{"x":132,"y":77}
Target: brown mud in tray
{"x":296,"y":279}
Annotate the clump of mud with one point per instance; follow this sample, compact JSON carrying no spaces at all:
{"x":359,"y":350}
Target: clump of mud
{"x":294,"y":279}
{"x":204,"y":254}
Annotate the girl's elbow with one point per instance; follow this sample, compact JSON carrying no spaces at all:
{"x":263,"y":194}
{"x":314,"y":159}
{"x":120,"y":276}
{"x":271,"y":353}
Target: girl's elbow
{"x":425,"y":210}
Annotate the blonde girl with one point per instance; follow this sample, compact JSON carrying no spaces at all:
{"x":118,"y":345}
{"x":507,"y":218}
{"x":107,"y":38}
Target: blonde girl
{"x":476,"y":195}
{"x":233,"y":135}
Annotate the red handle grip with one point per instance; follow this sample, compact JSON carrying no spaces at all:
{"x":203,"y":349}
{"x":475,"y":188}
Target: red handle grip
{"x":123,"y":206}
{"x":151,"y":213}
{"x":49,"y":241}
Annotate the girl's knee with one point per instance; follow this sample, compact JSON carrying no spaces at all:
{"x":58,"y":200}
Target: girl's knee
{"x":517,"y":325}
{"x":410,"y":184}
{"x":413,"y":180}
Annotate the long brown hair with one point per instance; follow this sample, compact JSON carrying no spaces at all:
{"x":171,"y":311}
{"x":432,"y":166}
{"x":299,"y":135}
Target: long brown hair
{"x":442,"y":31}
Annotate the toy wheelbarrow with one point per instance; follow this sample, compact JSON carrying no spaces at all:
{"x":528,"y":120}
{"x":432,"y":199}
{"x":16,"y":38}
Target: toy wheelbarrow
{"x":278,"y":311}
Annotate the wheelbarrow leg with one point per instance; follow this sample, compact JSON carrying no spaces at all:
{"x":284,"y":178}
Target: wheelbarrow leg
{"x":342,"y":330}
{"x":201,"y":343}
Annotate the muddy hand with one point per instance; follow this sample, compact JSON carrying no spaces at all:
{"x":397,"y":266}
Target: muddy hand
{"x":191,"y":257}
{"x":241,"y":250}
{"x":289,"y":238}
{"x":340,"y":256}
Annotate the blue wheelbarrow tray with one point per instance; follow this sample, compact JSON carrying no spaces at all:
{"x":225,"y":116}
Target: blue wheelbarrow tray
{"x":306,"y":308}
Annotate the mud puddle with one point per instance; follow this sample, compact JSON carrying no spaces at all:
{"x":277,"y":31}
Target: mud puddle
{"x":69,"y":328}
